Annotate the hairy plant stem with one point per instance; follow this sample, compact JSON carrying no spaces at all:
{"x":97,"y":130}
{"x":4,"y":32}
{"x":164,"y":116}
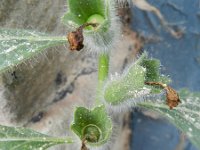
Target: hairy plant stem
{"x":103,"y":68}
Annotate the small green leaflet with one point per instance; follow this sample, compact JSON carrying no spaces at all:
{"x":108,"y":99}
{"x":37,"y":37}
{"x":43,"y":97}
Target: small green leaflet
{"x":186,"y":116}
{"x":17,"y":138}
{"x":16,"y":45}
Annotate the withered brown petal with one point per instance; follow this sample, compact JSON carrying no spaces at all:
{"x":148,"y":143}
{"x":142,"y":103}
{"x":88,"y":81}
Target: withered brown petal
{"x":172,"y":97}
{"x":75,"y":39}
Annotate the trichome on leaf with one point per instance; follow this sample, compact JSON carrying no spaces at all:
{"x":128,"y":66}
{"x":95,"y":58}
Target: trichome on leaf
{"x":172,"y":97}
{"x":75,"y":38}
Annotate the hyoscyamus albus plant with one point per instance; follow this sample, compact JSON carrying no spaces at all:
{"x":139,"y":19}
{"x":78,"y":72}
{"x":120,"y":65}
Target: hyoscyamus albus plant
{"x":115,"y":93}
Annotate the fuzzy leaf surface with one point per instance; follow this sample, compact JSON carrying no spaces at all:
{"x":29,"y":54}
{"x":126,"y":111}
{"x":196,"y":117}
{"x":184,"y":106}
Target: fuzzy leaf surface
{"x":186,"y":116}
{"x":125,"y":87}
{"x":130,"y":85}
{"x":18,"y":138}
{"x":16,"y":46}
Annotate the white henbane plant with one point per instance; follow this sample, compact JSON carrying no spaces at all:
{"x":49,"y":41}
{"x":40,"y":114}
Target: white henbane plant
{"x":94,"y":126}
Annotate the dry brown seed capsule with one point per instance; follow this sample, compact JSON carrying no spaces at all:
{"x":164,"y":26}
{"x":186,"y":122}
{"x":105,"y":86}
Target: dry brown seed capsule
{"x":172,"y":97}
{"x":75,"y":38}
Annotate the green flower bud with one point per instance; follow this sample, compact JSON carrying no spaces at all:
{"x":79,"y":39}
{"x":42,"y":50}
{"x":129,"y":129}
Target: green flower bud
{"x":130,"y":86}
{"x":94,"y":126}
{"x":104,"y":36}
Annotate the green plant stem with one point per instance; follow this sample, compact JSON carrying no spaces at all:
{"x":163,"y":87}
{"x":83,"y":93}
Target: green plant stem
{"x":103,"y":68}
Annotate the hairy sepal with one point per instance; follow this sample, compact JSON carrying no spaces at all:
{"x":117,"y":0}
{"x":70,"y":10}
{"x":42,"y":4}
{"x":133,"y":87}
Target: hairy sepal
{"x":125,"y":91}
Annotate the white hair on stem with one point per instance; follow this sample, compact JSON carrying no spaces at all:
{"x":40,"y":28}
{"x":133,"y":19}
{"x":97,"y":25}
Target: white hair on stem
{"x":128,"y":104}
{"x":101,"y":42}
{"x":140,"y":95}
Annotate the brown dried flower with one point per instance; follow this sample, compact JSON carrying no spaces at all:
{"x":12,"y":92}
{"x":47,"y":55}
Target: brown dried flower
{"x":75,"y":38}
{"x":172,"y":97}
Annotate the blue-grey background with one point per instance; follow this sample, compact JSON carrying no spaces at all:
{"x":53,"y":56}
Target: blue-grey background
{"x":180,"y":59}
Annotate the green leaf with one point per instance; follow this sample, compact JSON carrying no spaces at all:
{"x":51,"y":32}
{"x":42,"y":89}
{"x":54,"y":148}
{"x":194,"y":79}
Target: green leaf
{"x":18,"y":138}
{"x":80,"y":11}
{"x":16,"y":46}
{"x":152,"y":69}
{"x":186,"y":116}
{"x":93,"y":125}
{"x":126,"y":86}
